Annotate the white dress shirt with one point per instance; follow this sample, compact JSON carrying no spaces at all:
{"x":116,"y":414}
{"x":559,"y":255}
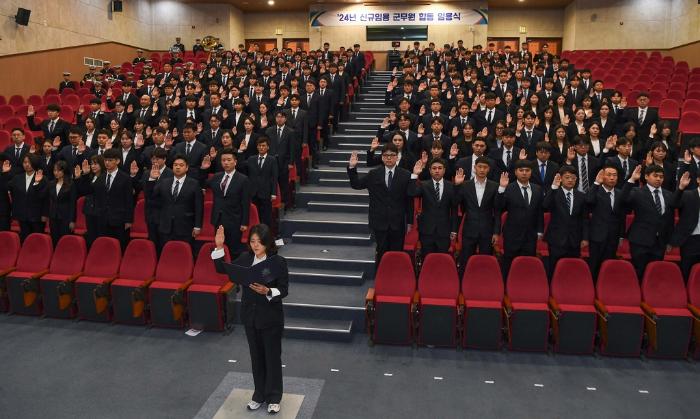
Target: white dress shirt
{"x":28,"y":180}
{"x":661,"y":197}
{"x":480,"y":189}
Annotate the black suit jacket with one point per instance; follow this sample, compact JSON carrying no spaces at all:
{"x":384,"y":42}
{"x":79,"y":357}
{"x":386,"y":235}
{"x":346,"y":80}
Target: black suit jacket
{"x":114,"y":207}
{"x":14,"y":161}
{"x":480,"y":220}
{"x":651,"y":117}
{"x":621,"y":176}
{"x":436,"y":217}
{"x":152,"y":206}
{"x":648,"y":225}
{"x":262,"y":180}
{"x":566,"y":229}
{"x":59,"y":130}
{"x":230,"y":210}
{"x":285,"y":148}
{"x":178,"y":215}
{"x":608,"y":221}
{"x":481,"y":120}
{"x":312,"y":110}
{"x":524,"y":221}
{"x":497,"y":156}
{"x":61,"y":206}
{"x":465,"y":163}
{"x":689,"y":204}
{"x":530,"y":144}
{"x":256,"y":310}
{"x":388,"y":208}
{"x":27,"y":203}
{"x":592,"y":168}
{"x":551,"y":170}
{"x":300,"y":124}
{"x":194,"y":159}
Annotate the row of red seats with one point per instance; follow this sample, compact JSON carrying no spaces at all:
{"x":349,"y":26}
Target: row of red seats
{"x":103,"y":285}
{"x":570,"y":313}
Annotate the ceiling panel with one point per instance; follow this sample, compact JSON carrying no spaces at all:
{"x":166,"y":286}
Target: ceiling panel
{"x":303,"y":5}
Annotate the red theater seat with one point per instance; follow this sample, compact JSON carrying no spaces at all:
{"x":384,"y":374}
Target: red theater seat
{"x":438,"y":289}
{"x":167,"y":292}
{"x":210,"y":298}
{"x":665,"y":304}
{"x":22,"y":284}
{"x":482,"y":299}
{"x":9,"y":250}
{"x":620,"y":318}
{"x":129,"y":290}
{"x":57,"y":285}
{"x":527,"y":294}
{"x":572,"y":307}
{"x":92,"y":287}
{"x":139,"y":230}
{"x":389,"y":306}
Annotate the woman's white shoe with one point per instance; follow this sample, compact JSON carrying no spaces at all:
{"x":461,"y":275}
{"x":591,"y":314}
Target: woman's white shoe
{"x":253,"y":405}
{"x":273,"y":408}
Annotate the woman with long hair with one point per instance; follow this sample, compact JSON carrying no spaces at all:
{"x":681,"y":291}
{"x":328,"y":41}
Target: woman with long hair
{"x":62,"y":198}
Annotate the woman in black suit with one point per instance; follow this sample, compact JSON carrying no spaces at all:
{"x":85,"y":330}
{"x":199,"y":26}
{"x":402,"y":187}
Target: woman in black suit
{"x":95,"y":167}
{"x":261,"y":313}
{"x":245,"y":141}
{"x":28,"y":191}
{"x":62,"y":197}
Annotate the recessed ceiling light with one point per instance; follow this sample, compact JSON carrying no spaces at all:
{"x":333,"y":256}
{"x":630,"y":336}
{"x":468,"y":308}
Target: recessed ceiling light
{"x":271,"y":2}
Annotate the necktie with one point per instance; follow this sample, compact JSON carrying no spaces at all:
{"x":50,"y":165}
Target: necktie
{"x":615,"y":109}
{"x":525,"y":196}
{"x":126,"y":96}
{"x":279,"y":133}
{"x":657,"y":202}
{"x":508,"y":158}
{"x":216,"y":110}
{"x":284,"y":76}
{"x":308,"y":99}
{"x":529,"y":136}
{"x":75,"y":150}
{"x":51,"y":126}
{"x":573,"y":92}
{"x":294,"y":114}
{"x":568,"y":201}
{"x":119,"y":116}
{"x":18,"y":151}
{"x":176,"y":189}
{"x":624,"y":168}
{"x":143,"y":113}
{"x":323,"y":91}
{"x":188,"y":147}
{"x":612,"y":204}
{"x":224,"y":183}
{"x":213,"y":134}
{"x":543,"y":170}
{"x":549,"y":94}
{"x":464,"y":121}
{"x":641,"y":116}
{"x":488,"y":116}
{"x":599,"y":97}
{"x":332,"y":78}
{"x":584,"y":175}
{"x":191,"y":114}
{"x":437,"y":191}
{"x":260,"y":161}
{"x":389,"y":179}
{"x":109,"y":181}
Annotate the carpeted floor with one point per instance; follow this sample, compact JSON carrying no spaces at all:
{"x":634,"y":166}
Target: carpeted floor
{"x":64,"y":369}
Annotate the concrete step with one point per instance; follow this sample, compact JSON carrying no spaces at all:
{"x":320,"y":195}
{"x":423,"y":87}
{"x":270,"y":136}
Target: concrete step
{"x":332,"y":222}
{"x":345,"y":183}
{"x":332,"y":172}
{"x":325,"y":206}
{"x":344,"y":163}
{"x":326,"y":277}
{"x":331,"y":257}
{"x":318,"y":329}
{"x":304,"y":237}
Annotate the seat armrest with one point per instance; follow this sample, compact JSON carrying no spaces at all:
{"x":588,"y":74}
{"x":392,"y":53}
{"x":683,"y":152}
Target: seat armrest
{"x":460,"y":300}
{"x":507,"y":306}
{"x":370,"y":296}
{"x":228,"y":286}
{"x":39,"y":274}
{"x":649,"y":311}
{"x":185,"y":285}
{"x":602,"y":310}
{"x":7,"y":271}
{"x":416,"y":297}
{"x":554,"y":307}
{"x":695,"y":310}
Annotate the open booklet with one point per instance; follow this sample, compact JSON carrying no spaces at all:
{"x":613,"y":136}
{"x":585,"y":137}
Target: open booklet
{"x":261,"y":273}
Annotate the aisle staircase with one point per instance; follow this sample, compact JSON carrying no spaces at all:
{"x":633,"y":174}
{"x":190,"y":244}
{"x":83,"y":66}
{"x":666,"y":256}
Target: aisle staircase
{"x":329,"y":250}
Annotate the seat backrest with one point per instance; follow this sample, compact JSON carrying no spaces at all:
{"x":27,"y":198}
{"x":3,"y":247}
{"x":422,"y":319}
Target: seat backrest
{"x":572,"y":282}
{"x":482,"y":279}
{"x":139,"y":225}
{"x":694,"y":286}
{"x":9,"y":249}
{"x":175,"y":263}
{"x":69,"y":255}
{"x":35,"y":254}
{"x":663,"y":285}
{"x":439,"y":278}
{"x":204,"y":269}
{"x":395,"y":275}
{"x":617,"y":284}
{"x":527,"y":281}
{"x":139,"y":261}
{"x":104,"y":258}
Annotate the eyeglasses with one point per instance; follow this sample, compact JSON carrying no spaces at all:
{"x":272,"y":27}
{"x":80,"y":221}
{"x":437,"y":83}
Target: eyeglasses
{"x":389,"y":155}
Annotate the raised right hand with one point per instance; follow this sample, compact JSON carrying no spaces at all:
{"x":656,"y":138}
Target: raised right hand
{"x":353,"y":160}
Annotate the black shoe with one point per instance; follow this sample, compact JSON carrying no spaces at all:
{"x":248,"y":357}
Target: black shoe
{"x":324,"y":148}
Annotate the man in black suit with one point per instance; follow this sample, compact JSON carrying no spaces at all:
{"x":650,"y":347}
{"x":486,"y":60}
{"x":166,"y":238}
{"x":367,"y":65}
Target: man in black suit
{"x":622,"y":161}
{"x":690,"y":163}
{"x":389,"y":204}
{"x":211,"y":136}
{"x":437,"y":223}
{"x":263,"y":174}
{"x":52,"y":127}
{"x":607,"y":210}
{"x":468,"y":164}
{"x":158,"y":138}
{"x":146,"y":112}
{"x":326,"y":108}
{"x":180,"y":202}
{"x":16,"y":151}
{"x":126,"y":119}
{"x":506,"y":156}
{"x":75,"y":152}
{"x":576,"y":93}
{"x":529,"y":137}
{"x":298,"y":121}
{"x":231,"y":205}
{"x":586,"y":165}
{"x":643,"y":116}
{"x":284,"y":146}
{"x":236,"y":119}
{"x":488,"y":117}
{"x":5,"y":203}
{"x":114,"y":198}
{"x":192,"y":150}
{"x":435,"y":134}
{"x":524,"y":224}
{"x":310,"y":102}
{"x":568,"y":223}
{"x":653,"y":208}
{"x":686,"y":234}
{"x":28,"y":191}
{"x":337,"y":85}
{"x":190,"y":112}
{"x":157,"y":158}
{"x":482,"y":222}
{"x":257,"y":99}
{"x":545,"y":169}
